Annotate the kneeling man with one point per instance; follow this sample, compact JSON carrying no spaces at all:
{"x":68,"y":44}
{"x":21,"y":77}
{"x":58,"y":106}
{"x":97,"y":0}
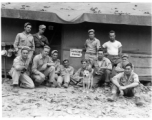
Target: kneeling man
{"x":43,"y":68}
{"x":19,"y":71}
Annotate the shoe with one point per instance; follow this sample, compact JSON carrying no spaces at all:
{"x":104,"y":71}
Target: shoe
{"x":138,"y":101}
{"x":15,"y":88}
{"x":112,"y":99}
{"x":59,"y":85}
{"x":48,"y":84}
{"x":65,"y":85}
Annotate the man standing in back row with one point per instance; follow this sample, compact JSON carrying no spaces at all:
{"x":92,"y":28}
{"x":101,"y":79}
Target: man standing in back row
{"x":25,"y":39}
{"x":40,"y":40}
{"x":92,"y":45}
{"x":113,"y":48}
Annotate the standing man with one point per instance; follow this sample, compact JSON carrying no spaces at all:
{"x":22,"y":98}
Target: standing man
{"x":113,"y":48}
{"x":25,"y":39}
{"x":19,"y":69}
{"x":92,"y":45}
{"x":43,"y":68}
{"x":40,"y":40}
{"x":66,"y":74}
{"x":102,"y":70}
{"x":126,"y":84}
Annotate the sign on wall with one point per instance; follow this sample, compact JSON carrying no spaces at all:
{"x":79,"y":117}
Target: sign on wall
{"x":75,"y":52}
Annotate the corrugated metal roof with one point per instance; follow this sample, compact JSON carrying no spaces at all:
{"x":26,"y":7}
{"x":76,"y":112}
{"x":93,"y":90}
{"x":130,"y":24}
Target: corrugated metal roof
{"x":72,"y":13}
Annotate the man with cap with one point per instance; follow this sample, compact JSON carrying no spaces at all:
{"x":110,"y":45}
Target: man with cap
{"x":43,"y":70}
{"x":92,"y":45}
{"x":56,"y":61}
{"x":121,"y":65}
{"x":40,"y":40}
{"x":19,"y":71}
{"x":25,"y":39}
{"x":113,"y":48}
{"x":66,"y":73}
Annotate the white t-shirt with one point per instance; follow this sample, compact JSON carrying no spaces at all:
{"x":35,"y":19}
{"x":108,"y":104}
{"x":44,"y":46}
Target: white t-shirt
{"x":112,"y":47}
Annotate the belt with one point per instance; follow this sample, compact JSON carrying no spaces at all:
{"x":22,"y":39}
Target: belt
{"x":91,"y":53}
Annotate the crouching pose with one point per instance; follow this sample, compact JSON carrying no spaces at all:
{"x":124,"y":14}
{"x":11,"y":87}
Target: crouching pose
{"x":126,"y":84}
{"x":19,"y":71}
{"x":77,"y":78}
{"x":66,"y":73}
{"x":43,"y":68}
{"x":102,"y":70}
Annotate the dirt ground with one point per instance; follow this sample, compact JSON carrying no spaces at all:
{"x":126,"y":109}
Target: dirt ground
{"x":71,"y":102}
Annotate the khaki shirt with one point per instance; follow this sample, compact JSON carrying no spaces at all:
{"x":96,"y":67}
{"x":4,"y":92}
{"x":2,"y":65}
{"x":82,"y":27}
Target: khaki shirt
{"x":18,"y":61}
{"x":24,"y":40}
{"x":39,"y":61}
{"x":104,"y":63}
{"x":64,"y":71}
{"x":92,"y":46}
{"x":123,"y":80}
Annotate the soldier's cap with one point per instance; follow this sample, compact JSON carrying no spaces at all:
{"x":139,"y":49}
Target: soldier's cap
{"x":125,"y":55}
{"x":27,"y":23}
{"x":26,"y":48}
{"x":42,"y":27}
{"x":54,"y":51}
{"x":46,"y":46}
{"x":91,"y":30}
{"x":65,"y":60}
{"x":84,"y":60}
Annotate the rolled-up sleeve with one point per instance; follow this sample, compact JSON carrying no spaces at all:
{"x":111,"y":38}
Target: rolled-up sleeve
{"x":136,"y":78}
{"x":71,"y":71}
{"x":118,"y":77}
{"x":17,"y":63}
{"x":33,"y":44}
{"x":98,"y":45}
{"x":16,"y":42}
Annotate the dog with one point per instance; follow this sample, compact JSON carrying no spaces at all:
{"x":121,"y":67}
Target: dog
{"x":87,"y":80}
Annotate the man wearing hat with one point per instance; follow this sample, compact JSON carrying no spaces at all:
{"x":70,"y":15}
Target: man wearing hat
{"x":66,"y":73}
{"x":43,"y":70}
{"x":121,"y":65}
{"x":25,"y":39}
{"x":92,"y":45}
{"x":19,"y":70}
{"x":56,"y":61}
{"x":40,"y":40}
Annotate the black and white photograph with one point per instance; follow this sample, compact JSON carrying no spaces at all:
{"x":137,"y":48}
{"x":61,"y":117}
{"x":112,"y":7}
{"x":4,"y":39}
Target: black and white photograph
{"x":76,"y":59}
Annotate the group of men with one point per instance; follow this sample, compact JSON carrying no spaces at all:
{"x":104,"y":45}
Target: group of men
{"x":33,"y":66}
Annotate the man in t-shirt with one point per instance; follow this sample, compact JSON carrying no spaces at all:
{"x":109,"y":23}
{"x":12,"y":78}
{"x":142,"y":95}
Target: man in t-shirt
{"x":126,"y":84}
{"x":113,"y":48}
{"x":92,"y":45}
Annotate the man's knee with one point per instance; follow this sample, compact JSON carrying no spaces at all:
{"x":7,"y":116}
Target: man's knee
{"x":39,"y":79}
{"x":51,"y":69}
{"x":108,"y":71}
